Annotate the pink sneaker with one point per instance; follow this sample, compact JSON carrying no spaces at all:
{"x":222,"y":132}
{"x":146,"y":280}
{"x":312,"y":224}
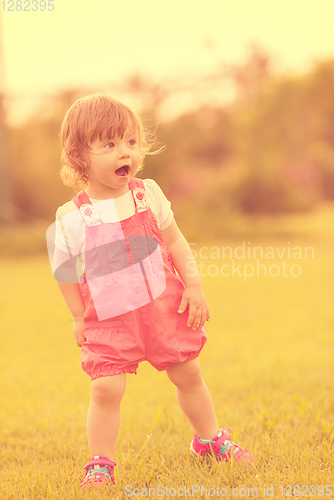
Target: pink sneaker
{"x":99,"y":472}
{"x":222,"y":447}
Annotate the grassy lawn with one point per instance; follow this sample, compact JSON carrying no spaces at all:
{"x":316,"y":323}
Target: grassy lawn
{"x":268,"y":363}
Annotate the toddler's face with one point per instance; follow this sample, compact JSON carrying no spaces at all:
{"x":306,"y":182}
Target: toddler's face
{"x":113,"y":163}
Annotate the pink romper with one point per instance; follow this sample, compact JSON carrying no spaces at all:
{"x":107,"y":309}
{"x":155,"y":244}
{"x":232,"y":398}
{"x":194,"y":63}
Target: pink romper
{"x":132,"y":294}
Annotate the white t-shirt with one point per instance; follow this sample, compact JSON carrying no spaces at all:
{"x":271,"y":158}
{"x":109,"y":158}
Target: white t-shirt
{"x":110,"y":210}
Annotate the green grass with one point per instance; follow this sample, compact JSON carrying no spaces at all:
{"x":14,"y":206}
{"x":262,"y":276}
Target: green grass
{"x":268,"y":363}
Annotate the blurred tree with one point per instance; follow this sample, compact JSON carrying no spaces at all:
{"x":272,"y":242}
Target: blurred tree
{"x":287,"y":144}
{"x":320,"y":99}
{"x":272,"y":152}
{"x":6,"y":201}
{"x":38,"y":189}
{"x":150,"y":94}
{"x":251,"y":78}
{"x":6,"y":195}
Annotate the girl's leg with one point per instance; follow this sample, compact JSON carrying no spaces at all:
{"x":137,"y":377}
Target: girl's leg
{"x":194,"y":398}
{"x":104,"y":414}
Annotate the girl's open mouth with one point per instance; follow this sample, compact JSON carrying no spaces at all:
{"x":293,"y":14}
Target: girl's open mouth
{"x":122,"y":171}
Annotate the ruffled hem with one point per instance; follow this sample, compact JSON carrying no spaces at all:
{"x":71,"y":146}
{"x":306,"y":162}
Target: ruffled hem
{"x":113,"y":372}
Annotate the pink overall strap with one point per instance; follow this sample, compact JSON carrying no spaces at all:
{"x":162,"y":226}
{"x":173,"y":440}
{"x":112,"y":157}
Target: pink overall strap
{"x":138,"y":193}
{"x":87,"y":209}
{"x":81,"y":199}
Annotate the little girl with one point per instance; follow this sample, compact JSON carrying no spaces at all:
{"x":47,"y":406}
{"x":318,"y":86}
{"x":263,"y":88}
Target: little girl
{"x":135,"y":300}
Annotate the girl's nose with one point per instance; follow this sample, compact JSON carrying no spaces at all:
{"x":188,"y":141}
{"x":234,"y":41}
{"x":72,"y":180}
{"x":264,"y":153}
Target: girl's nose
{"x":124,"y":151}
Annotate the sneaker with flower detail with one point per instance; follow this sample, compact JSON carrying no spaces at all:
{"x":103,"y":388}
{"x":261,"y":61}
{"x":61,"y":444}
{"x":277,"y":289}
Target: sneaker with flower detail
{"x":221,"y":447}
{"x":99,"y":472}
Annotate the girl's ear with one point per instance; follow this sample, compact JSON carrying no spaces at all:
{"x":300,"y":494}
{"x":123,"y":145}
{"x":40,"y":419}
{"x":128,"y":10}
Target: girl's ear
{"x":75,"y":154}
{"x":80,"y":157}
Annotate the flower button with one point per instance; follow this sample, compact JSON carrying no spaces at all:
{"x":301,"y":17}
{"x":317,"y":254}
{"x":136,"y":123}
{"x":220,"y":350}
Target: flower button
{"x":88,"y":211}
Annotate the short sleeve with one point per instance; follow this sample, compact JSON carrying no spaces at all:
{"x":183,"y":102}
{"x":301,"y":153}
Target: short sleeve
{"x":159,"y":204}
{"x":66,"y":248}
{"x":68,"y":222}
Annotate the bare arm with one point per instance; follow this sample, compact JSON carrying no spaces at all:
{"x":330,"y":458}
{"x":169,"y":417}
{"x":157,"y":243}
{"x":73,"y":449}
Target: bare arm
{"x":185,"y":265}
{"x":73,"y":298}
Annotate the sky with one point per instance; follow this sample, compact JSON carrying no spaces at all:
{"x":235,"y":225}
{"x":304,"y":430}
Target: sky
{"x":92,"y":44}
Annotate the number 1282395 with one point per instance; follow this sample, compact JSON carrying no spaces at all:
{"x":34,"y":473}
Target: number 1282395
{"x":27,"y":5}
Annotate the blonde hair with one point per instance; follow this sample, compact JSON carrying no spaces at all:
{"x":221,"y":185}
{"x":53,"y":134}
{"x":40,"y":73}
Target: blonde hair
{"x":92,"y":117}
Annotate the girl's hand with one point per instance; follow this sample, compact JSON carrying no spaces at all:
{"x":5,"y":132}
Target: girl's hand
{"x":79,"y":337}
{"x":198,"y":308}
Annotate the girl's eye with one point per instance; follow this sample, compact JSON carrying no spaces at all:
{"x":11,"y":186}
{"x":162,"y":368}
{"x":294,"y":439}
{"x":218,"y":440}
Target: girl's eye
{"x":132,"y":142}
{"x":110,"y":145}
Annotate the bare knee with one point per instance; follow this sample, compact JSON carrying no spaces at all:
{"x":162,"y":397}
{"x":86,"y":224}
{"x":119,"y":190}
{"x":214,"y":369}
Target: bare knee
{"x":185,"y":375}
{"x":108,"y":390}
